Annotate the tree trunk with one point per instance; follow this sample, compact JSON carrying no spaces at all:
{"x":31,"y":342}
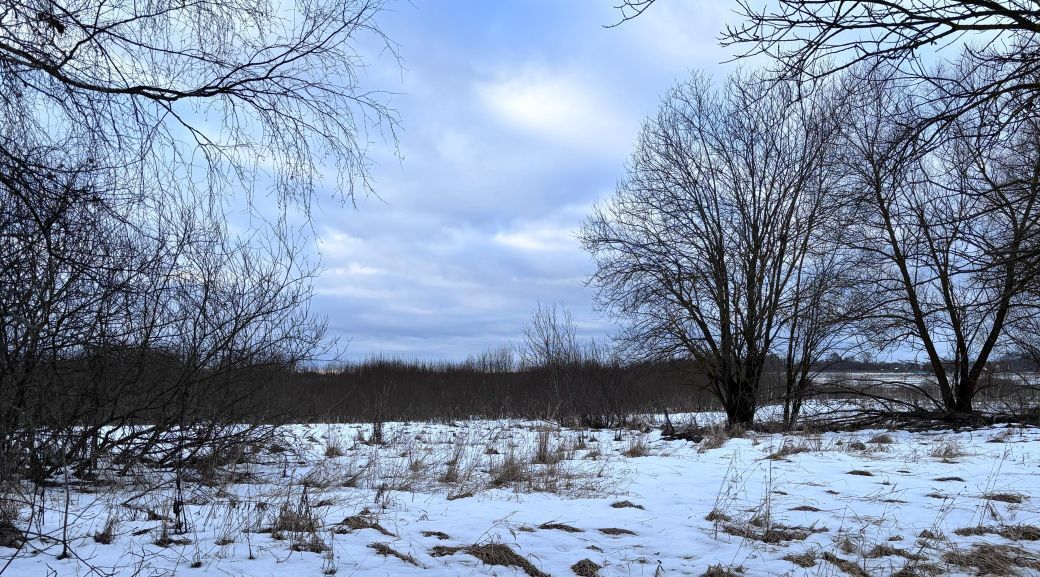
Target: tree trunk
{"x":965,"y":394}
{"x":740,"y":406}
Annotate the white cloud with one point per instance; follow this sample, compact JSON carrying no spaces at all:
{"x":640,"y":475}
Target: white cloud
{"x":564,"y":108}
{"x":535,"y":240}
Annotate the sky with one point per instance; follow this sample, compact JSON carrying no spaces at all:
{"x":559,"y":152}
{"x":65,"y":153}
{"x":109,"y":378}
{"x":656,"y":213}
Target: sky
{"x":516,"y":117}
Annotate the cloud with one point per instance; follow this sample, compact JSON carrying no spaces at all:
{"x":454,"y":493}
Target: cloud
{"x":516,"y":117}
{"x":562,"y":108}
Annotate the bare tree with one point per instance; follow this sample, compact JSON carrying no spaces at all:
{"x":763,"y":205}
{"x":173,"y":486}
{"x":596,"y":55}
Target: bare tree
{"x":701,"y":246}
{"x":550,"y":338}
{"x":135,"y":325}
{"x":952,"y":227}
{"x":824,"y":314}
{"x":821,"y":37}
{"x":199,"y":98}
{"x":551,"y":345}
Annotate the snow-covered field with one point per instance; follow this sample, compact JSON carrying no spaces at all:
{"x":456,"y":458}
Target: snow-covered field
{"x":447,"y":499}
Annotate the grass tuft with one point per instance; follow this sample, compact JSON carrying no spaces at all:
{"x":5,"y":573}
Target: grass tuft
{"x":560,"y":527}
{"x":616,"y":531}
{"x":586,"y":568}
{"x":805,"y":560}
{"x":387,"y":551}
{"x":990,"y":559}
{"x":845,"y":565}
{"x":1014,"y":498}
{"x":492,"y":554}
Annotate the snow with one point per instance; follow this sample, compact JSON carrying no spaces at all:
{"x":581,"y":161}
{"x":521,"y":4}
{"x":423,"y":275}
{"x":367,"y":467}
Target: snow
{"x":399,"y":485}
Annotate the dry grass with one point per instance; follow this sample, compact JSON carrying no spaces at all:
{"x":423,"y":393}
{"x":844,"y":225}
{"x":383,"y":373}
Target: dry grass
{"x":165,"y":539}
{"x":716,"y":437}
{"x":989,"y":559}
{"x":789,"y":448}
{"x":809,"y":508}
{"x":805,"y":560}
{"x":919,"y":570}
{"x":298,"y":519}
{"x":586,"y":568}
{"x":333,"y":447}
{"x":309,"y":542}
{"x":637,"y":447}
{"x":453,"y":471}
{"x":362,"y":521}
{"x":510,"y":470}
{"x":544,"y":453}
{"x":616,"y":531}
{"x":929,"y":534}
{"x":881,"y":439}
{"x":720,"y":571}
{"x":856,"y":445}
{"x":772,"y":534}
{"x":1014,"y":498}
{"x":947,"y":449}
{"x":717,"y":515}
{"x":108,"y":534}
{"x":560,"y":527}
{"x":845,"y":565}
{"x":1012,"y":532}
{"x":492,"y":554}
{"x":386,"y":551}
{"x":883,"y":550}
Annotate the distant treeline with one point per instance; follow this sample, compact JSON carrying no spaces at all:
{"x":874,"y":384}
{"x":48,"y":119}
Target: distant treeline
{"x":590,"y":392}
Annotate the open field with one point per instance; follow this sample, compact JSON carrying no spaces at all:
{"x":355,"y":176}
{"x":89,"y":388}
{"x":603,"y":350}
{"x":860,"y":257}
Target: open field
{"x":527,"y":497}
